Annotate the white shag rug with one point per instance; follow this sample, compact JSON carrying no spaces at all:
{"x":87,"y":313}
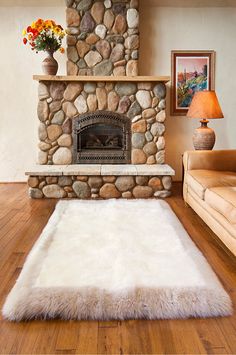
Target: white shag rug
{"x":115,"y":259}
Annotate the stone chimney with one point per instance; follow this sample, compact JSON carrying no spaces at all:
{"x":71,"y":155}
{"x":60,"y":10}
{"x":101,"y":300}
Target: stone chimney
{"x":103,"y":37}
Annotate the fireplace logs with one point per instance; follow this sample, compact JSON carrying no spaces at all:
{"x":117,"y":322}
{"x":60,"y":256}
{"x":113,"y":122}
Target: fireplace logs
{"x":93,"y":142}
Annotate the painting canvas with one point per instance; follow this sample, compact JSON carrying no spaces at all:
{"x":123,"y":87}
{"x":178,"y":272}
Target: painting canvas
{"x":191,"y":72}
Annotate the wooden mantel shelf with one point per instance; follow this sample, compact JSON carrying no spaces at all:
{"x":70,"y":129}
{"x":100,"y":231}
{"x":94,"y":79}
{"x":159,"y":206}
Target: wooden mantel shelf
{"x":164,"y":79}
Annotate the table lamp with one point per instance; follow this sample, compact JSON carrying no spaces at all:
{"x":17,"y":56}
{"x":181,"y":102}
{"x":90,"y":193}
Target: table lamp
{"x":204,"y":106}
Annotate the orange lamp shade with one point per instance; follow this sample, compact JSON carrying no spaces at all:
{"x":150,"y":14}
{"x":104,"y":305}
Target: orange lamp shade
{"x":205,"y":105}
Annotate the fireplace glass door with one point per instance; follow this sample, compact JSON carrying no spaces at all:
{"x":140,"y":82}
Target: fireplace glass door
{"x":102,"y":137}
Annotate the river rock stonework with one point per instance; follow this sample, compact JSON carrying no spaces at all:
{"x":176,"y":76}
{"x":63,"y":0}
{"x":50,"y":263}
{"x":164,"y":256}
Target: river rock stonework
{"x":102,"y":41}
{"x":99,"y":187}
{"x":60,"y":102}
{"x":103,"y":37}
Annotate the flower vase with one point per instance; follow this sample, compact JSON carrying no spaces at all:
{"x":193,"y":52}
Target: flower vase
{"x":50,"y":65}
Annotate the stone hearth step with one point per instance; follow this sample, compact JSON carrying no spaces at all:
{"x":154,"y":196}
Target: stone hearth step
{"x":100,"y":181}
{"x":101,"y":169}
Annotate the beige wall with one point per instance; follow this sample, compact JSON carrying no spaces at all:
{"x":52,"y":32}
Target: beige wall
{"x":162,"y":29}
{"x":18,"y":92}
{"x":165,"y":28}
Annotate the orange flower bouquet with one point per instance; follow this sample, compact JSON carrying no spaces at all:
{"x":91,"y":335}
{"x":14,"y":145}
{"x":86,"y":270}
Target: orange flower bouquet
{"x":45,"y":36}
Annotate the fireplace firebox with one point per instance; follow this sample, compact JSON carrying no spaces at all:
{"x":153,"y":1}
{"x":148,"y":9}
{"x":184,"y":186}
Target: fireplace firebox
{"x":102,"y":137}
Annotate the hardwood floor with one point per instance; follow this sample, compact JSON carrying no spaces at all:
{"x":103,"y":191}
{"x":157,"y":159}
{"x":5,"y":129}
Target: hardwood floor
{"x":21,"y":222}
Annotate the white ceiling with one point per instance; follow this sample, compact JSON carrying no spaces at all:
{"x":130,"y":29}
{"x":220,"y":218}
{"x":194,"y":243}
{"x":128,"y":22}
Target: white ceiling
{"x":162,"y":3}
{"x":37,"y":3}
{"x":189,"y":3}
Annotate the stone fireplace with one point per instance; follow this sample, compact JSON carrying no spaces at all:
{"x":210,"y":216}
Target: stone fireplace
{"x":136,"y":105}
{"x":101,"y":137}
{"x":101,"y":130}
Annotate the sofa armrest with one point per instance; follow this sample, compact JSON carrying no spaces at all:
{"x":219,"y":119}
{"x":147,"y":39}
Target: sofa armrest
{"x":222,"y":160}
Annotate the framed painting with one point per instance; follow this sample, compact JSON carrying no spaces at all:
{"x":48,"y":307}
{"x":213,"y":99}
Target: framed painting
{"x":191,"y":71}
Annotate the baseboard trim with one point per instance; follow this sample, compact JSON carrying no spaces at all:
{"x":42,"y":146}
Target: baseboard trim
{"x":12,"y":182}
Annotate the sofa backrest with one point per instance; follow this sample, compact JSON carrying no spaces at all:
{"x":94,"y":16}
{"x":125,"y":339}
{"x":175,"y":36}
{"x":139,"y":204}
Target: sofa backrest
{"x":222,"y":160}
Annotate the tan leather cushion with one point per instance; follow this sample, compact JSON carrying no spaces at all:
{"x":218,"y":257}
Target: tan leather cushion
{"x":200,"y":180}
{"x":218,"y":223}
{"x":223,"y":200}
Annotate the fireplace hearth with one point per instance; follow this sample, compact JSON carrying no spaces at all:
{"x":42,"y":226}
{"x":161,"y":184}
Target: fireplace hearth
{"x":102,"y":137}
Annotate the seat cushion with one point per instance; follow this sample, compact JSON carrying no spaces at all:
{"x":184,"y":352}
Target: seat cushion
{"x":223,"y":200}
{"x":200,"y":180}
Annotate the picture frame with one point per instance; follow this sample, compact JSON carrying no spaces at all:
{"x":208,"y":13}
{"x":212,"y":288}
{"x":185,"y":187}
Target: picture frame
{"x":191,"y":71}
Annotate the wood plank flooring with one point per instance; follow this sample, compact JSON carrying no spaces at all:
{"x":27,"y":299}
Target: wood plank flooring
{"x":21,"y":222}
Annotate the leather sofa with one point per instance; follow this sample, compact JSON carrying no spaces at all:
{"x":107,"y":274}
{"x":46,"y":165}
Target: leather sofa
{"x":210,"y":189}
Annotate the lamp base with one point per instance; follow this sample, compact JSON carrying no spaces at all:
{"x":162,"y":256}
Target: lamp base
{"x":204,"y":137}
